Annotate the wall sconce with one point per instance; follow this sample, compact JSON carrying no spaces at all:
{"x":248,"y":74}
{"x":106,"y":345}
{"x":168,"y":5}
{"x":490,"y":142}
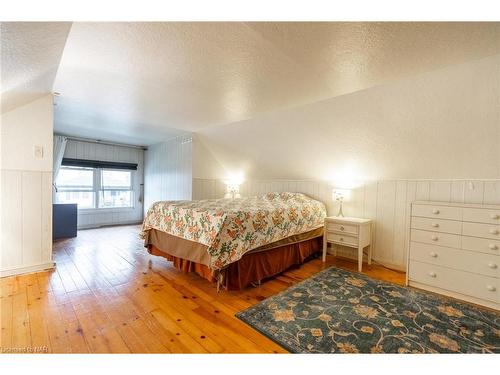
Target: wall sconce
{"x":341,"y":195}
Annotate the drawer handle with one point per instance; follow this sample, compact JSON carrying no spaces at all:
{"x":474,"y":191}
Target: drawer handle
{"x":495,"y":216}
{"x":435,"y":225}
{"x":341,"y":239}
{"x":492,"y":246}
{"x":341,"y":227}
{"x":434,"y":238}
{"x":494,"y":231}
{"x":432,"y":274}
{"x":491,"y":288}
{"x":435,"y":212}
{"x":433,"y":254}
{"x":492,"y":265}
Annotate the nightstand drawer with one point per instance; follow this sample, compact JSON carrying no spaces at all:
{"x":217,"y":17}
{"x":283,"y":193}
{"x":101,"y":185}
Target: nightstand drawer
{"x":342,"y":228}
{"x":342,"y":239}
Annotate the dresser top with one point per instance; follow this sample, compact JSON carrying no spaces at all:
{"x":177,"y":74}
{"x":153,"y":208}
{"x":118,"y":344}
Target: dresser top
{"x":353,"y":220}
{"x":466,"y":205}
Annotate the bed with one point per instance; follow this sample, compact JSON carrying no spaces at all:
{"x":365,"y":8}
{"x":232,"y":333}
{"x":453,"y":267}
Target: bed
{"x":236,"y":242}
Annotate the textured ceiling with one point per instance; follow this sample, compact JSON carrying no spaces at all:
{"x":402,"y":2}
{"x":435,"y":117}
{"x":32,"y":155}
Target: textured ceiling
{"x":30,"y":55}
{"x":144,"y":82}
{"x":355,"y":56}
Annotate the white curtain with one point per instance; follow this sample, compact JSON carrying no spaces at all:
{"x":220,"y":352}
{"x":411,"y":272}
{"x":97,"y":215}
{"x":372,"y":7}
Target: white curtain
{"x":59,"y":147}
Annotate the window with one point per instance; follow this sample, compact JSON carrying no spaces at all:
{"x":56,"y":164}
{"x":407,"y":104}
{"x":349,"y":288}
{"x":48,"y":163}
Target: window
{"x":76,"y":185}
{"x":94,"y":187}
{"x":116,"y":189}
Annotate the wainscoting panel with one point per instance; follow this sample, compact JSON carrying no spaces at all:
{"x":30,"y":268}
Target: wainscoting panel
{"x":32,"y":214}
{"x":12,"y":219}
{"x":168,"y":172}
{"x":26,"y":233}
{"x":46,"y":216}
{"x":386,"y":202}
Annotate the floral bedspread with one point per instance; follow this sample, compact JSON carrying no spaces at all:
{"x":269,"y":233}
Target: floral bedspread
{"x":232,"y":227}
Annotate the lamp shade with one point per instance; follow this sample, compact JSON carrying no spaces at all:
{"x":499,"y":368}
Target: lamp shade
{"x":341,"y":194}
{"x":232,"y":189}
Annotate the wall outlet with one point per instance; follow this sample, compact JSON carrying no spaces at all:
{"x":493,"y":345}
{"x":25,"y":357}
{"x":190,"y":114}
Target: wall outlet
{"x":38,"y":152}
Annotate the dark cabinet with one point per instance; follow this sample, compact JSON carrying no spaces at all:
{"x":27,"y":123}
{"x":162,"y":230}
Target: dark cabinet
{"x":64,"y":220}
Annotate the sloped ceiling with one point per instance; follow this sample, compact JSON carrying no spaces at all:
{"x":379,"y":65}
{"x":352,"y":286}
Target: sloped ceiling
{"x":30,"y":56}
{"x":144,"y":82}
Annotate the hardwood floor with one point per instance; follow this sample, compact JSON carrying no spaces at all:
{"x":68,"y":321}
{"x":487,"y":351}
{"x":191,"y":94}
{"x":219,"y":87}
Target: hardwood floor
{"x":108,"y":295}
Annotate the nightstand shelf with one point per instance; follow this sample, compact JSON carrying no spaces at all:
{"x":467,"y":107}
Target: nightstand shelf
{"x":348,"y":231}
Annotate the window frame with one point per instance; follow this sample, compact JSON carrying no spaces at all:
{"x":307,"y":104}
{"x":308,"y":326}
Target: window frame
{"x":97,"y":188}
{"x":100,"y":188}
{"x":63,"y":189}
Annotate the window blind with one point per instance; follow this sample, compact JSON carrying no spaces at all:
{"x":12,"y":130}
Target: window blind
{"x":98,"y":164}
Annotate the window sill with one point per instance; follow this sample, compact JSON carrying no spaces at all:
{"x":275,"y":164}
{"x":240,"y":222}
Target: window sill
{"x":106,"y":209}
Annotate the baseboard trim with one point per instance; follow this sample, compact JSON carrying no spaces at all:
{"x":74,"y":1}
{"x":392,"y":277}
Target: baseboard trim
{"x":27,"y":269}
{"x":392,"y":266}
{"x":96,"y":226}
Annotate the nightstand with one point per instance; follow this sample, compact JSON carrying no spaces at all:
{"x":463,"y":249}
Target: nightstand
{"x":351,"y":232}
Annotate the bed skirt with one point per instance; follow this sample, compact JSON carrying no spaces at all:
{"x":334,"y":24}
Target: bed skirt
{"x":252,"y":267}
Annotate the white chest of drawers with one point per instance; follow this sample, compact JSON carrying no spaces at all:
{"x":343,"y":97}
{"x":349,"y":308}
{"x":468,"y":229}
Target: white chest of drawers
{"x":455,"y":250}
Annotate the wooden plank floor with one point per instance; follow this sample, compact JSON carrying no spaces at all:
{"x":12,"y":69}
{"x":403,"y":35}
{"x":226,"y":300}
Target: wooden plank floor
{"x":108,"y":295}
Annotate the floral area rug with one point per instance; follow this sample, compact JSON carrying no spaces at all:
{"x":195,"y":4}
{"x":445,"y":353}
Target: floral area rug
{"x":338,"y":311}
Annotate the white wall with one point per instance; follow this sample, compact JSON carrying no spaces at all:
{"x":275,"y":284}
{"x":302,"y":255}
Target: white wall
{"x":423,"y":137}
{"x":26,"y":188}
{"x":441,"y":124}
{"x":386,"y":202}
{"x":168,"y":171}
{"x":92,"y":218}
